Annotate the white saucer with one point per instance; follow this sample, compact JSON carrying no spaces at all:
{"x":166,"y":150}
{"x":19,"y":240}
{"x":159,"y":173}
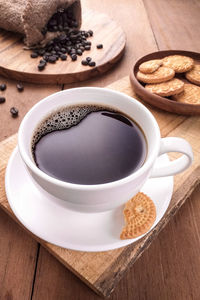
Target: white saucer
{"x":51,"y":220}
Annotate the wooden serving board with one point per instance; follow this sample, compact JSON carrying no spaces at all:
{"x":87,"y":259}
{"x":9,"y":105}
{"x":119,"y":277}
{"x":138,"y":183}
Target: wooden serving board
{"x":15,"y":62}
{"x":102,"y":270}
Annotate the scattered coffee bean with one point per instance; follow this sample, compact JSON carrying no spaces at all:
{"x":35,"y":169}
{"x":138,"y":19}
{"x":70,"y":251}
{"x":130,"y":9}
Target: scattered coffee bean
{"x":43,"y":61}
{"x":41,"y":66}
{"x":14,"y":112}
{"x":34,"y":55}
{"x":2,"y":100}
{"x":63,"y":57}
{"x":99,"y":46}
{"x":84,"y":62}
{"x":79,"y":52}
{"x":90,"y":32}
{"x":88,"y":59}
{"x":3,"y":87}
{"x":87,"y":47}
{"x":92,"y":64}
{"x":20,"y":87}
{"x":74,"y":57}
{"x":52,"y":59}
{"x":63,"y":50}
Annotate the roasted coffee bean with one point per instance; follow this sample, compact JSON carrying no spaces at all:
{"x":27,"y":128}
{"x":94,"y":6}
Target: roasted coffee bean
{"x":44,"y":30}
{"x":74,"y":57}
{"x":99,"y":46}
{"x":53,"y":22}
{"x":53,"y":52}
{"x":2,"y":100}
{"x":90,"y":32}
{"x":34,"y":55}
{"x":42,"y":61}
{"x":3,"y":87}
{"x":56,"y":48}
{"x":20,"y":87}
{"x":51,"y":29}
{"x":79,"y":52}
{"x":14,"y":112}
{"x":73,"y":51}
{"x":84,"y":62}
{"x":88,"y":43}
{"x":63,"y":57}
{"x":63,"y":50}
{"x":62,"y":37}
{"x":41,"y":52}
{"x":60,"y":27}
{"x":88,"y":59}
{"x":82,"y":48}
{"x":92,"y":64}
{"x":87,"y":47}
{"x":66,"y":28}
{"x":41,"y":66}
{"x":52,"y":59}
{"x":46,"y":58}
{"x":75,"y":24}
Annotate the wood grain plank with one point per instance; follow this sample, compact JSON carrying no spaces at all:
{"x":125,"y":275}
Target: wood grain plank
{"x":175,"y":23}
{"x":18,"y":253}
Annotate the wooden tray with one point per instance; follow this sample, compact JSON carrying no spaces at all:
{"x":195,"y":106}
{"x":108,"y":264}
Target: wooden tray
{"x":102,"y":271}
{"x":15,"y":62}
{"x":161,"y":102}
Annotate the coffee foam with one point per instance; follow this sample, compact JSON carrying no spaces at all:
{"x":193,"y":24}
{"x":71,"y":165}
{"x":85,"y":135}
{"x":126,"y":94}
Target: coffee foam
{"x":64,"y":118}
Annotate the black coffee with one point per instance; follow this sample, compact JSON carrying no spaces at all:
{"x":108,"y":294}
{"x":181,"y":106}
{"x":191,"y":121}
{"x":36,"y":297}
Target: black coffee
{"x":89,"y":145}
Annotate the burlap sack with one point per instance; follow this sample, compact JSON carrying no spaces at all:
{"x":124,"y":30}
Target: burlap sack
{"x":30,"y":16}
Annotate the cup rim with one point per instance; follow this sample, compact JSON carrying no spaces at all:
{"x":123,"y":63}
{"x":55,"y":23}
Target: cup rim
{"x":26,"y":158}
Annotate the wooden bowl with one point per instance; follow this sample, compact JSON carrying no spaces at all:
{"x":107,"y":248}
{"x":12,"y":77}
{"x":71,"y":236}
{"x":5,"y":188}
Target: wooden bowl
{"x":163,"y":102}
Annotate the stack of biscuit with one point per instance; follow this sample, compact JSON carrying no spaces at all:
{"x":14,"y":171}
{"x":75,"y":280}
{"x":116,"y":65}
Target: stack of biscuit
{"x":159,"y":75}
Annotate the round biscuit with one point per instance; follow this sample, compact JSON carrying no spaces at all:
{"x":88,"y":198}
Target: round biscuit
{"x":139,"y":214}
{"x":194,"y":75}
{"x":160,"y":75}
{"x":190,"y":94}
{"x":168,"y":88}
{"x":178,"y":63}
{"x":150,"y":66}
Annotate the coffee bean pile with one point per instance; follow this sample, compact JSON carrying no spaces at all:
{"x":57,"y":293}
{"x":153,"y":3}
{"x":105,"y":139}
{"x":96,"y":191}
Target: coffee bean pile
{"x":72,"y":44}
{"x":62,"y":20}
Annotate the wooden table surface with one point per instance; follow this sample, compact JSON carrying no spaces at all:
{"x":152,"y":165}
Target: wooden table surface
{"x":170,"y":268}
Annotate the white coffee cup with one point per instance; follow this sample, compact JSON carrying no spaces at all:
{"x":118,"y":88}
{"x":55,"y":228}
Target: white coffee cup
{"x":102,"y":197}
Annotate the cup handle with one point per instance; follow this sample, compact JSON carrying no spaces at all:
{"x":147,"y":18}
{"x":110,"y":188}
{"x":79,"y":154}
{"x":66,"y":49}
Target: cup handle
{"x":174,"y":144}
